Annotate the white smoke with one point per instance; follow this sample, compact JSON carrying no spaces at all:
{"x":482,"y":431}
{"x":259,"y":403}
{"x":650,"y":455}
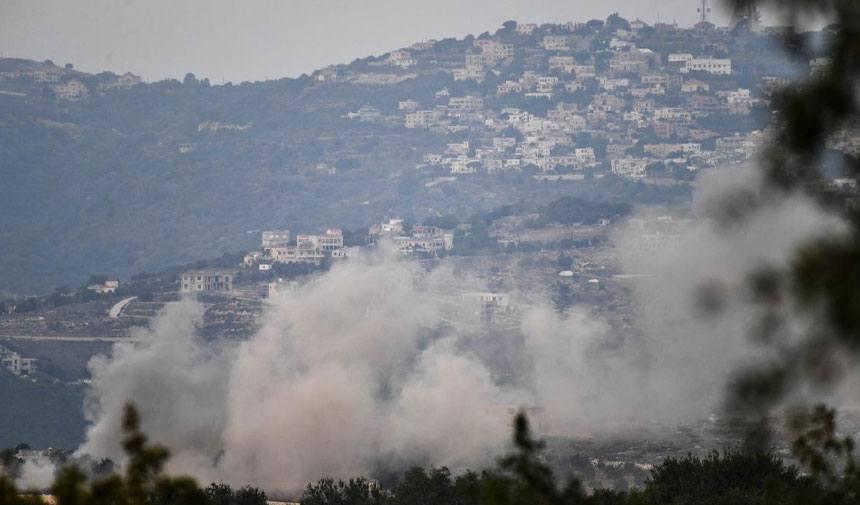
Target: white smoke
{"x":36,"y":475}
{"x":369,"y":364}
{"x":180,"y":386}
{"x":348,"y":371}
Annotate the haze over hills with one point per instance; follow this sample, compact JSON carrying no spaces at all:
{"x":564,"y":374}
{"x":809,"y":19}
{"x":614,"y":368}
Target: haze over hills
{"x":117,"y":177}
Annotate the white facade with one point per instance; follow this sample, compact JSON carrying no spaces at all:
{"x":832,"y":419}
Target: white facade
{"x":12,"y":361}
{"x":555,"y":43}
{"x":210,"y":281}
{"x":717,"y":66}
{"x":275,"y":238}
{"x":71,"y":91}
{"x":629,"y":167}
{"x":525,"y":28}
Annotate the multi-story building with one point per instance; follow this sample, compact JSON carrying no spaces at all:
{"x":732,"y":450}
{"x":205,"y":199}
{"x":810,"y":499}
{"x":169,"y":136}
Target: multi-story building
{"x":207,"y":281}
{"x":525,"y":28}
{"x":401,"y":58}
{"x":392,"y":227}
{"x":718,"y":66}
{"x":125,"y":81}
{"x":71,"y":91}
{"x":331,"y":240}
{"x":273,"y":238}
{"x":562,"y":64}
{"x":629,"y":167}
{"x":423,"y":118}
{"x":12,"y":361}
{"x":555,"y":43}
{"x":49,"y":76}
{"x":306,"y":252}
{"x":466,"y":103}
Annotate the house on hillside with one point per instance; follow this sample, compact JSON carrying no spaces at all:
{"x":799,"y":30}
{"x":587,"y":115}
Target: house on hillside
{"x":71,"y":91}
{"x":12,"y":361}
{"x":107,"y":287}
{"x":207,"y":281}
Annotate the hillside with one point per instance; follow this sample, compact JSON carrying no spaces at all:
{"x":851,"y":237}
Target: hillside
{"x":40,"y":414}
{"x":118,"y":177}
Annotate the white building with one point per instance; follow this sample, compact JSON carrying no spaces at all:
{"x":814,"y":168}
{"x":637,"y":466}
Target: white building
{"x":555,"y":43}
{"x":207,"y":281}
{"x":306,"y":252}
{"x":525,"y":28}
{"x":423,"y":118}
{"x":629,"y":167}
{"x":392,"y":227}
{"x":331,"y":240}
{"x":273,"y":238}
{"x":401,"y":59}
{"x":717,"y":66}
{"x":50,"y":76}
{"x":562,"y":64}
{"x":71,"y":91}
{"x":12,"y":361}
{"x":107,"y":287}
{"x":469,"y":73}
{"x":125,"y":81}
{"x":408,"y":105}
{"x":367,"y":113}
{"x":466,"y":103}
{"x":486,"y":304}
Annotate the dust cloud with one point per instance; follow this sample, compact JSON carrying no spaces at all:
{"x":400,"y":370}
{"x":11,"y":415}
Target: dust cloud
{"x":370,"y":365}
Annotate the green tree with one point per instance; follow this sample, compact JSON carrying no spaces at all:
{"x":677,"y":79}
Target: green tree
{"x":358,"y":491}
{"x":248,"y":495}
{"x":525,"y":478}
{"x":425,"y":488}
{"x":731,"y":477}
{"x":219,"y":494}
{"x":822,"y":281}
{"x":144,"y":482}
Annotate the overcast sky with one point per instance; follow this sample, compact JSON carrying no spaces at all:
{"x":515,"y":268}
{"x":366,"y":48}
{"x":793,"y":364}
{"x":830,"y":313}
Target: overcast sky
{"x":242,"y":40}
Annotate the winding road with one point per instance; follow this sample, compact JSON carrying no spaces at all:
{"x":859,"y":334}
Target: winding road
{"x":116,"y":310}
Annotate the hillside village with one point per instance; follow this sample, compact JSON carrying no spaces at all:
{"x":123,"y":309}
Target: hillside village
{"x":555,"y":101}
{"x":517,"y":154}
{"x":579,"y":100}
{"x":615,"y":110}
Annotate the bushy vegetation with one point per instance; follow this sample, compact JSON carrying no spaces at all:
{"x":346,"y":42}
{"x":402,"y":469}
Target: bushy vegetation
{"x":571,"y":210}
{"x":730,"y":477}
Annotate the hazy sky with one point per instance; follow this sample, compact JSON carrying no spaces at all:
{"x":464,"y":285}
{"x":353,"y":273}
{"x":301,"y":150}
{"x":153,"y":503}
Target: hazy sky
{"x":257,"y":39}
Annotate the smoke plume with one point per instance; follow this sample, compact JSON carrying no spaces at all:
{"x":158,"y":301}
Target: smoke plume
{"x":373,"y":364}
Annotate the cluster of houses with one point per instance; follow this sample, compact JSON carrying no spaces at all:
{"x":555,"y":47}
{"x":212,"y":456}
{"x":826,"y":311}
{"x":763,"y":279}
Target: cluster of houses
{"x":420,"y":239}
{"x":636,"y":94}
{"x":615,"y":105}
{"x":66,"y":83}
{"x":277,"y":247}
{"x":12,"y":361}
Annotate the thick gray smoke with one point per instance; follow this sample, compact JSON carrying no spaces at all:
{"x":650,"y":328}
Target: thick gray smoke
{"x":349,"y":372}
{"x":371,"y":363}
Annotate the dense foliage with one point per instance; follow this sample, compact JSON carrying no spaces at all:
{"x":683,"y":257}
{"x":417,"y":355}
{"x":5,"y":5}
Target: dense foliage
{"x":523,"y":477}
